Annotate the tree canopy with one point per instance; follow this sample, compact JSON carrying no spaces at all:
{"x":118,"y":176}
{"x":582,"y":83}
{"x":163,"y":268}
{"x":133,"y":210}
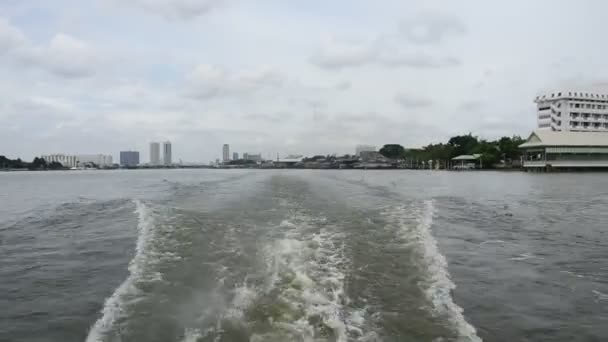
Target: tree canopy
{"x":393,"y":151}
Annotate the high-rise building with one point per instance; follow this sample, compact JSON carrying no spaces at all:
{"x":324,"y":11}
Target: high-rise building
{"x":167,"y":153}
{"x":154,"y":153}
{"x":226,"y":153}
{"x":235,"y":156}
{"x":364,"y":148}
{"x":573,"y":111}
{"x":129,"y":158}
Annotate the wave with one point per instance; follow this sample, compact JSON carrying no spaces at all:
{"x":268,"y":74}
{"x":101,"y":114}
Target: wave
{"x":440,"y":286}
{"x":115,"y":306}
{"x":299,"y":294}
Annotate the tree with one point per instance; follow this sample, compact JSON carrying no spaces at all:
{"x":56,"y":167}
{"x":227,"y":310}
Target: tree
{"x":463,"y":144}
{"x":393,"y":151}
{"x":509,"y":147}
{"x":37,"y":164}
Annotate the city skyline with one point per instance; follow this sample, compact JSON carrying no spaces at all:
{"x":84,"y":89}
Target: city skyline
{"x":89,"y":79}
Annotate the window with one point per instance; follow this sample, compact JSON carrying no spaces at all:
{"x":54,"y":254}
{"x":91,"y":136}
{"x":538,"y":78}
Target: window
{"x":587,"y":106}
{"x":552,"y":95}
{"x":559,"y":94}
{"x":592,"y":106}
{"x":559,"y":105}
{"x":571,"y":105}
{"x":577,"y":105}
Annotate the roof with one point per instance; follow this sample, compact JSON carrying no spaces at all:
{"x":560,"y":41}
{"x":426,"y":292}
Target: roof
{"x":467,"y":157}
{"x":541,"y":138}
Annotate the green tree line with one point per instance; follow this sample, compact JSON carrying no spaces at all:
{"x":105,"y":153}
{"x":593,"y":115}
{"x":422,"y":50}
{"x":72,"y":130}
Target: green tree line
{"x":492,"y":152}
{"x":36,"y":164}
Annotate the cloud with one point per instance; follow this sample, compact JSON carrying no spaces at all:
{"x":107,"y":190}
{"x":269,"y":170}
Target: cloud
{"x":410,"y":101}
{"x":432,"y":28}
{"x":342,"y":86}
{"x":10,"y":36}
{"x":210,"y":81}
{"x":420,"y":61}
{"x":64,"y":56}
{"x":384,"y":50}
{"x":471,"y":105}
{"x":176,"y":9}
{"x":336,"y":54}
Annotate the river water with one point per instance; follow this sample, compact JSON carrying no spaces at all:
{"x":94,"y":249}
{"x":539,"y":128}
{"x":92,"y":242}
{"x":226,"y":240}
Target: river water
{"x":303,"y":255}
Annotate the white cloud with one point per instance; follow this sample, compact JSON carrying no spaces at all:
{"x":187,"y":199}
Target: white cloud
{"x":64,"y":56}
{"x":10,"y":36}
{"x":432,"y":28}
{"x":384,"y":50}
{"x":175,"y":9}
{"x":336,"y":53}
{"x":210,"y":81}
{"x":411,"y":101}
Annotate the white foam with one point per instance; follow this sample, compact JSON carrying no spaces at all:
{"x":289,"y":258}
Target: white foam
{"x":115,"y":305}
{"x":192,"y":335}
{"x":441,"y":286}
{"x":316,"y":282}
{"x":491,"y":241}
{"x":600,"y":295}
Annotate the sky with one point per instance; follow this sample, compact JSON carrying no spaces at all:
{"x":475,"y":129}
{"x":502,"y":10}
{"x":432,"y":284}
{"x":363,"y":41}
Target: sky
{"x":284,"y":77}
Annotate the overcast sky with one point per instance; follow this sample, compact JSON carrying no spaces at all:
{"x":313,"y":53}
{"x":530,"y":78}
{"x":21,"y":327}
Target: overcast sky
{"x":288,"y":77}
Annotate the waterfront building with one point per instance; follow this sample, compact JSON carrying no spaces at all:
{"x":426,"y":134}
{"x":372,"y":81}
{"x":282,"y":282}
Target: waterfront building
{"x":167,"y":153}
{"x":364,"y":148}
{"x":572,"y":111}
{"x":547,"y":149}
{"x":129,"y":158}
{"x":226,"y":153}
{"x":235,"y":156}
{"x":154,"y":153}
{"x":99,"y":160}
{"x":63,"y":159}
{"x":253,"y":157}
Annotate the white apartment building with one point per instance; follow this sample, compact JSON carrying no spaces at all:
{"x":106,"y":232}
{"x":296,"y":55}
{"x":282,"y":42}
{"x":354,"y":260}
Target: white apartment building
{"x":154,"y":153}
{"x":101,"y":160}
{"x":167,"y":157}
{"x":65,"y":160}
{"x":573,"y":111}
{"x":226,"y":153}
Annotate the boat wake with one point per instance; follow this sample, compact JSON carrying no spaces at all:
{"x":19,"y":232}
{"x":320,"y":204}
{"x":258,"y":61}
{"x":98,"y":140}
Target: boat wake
{"x":437,"y":284}
{"x":140,"y":272}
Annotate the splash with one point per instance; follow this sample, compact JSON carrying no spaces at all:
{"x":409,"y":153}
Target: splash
{"x":440,"y":285}
{"x":115,"y":306}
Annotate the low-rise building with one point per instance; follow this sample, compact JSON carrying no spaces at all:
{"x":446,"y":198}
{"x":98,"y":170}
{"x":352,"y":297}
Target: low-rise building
{"x":546,"y":149}
{"x":99,"y":160}
{"x":63,"y":159}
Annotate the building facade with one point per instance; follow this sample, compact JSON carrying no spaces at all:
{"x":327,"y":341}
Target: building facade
{"x":546,"y":149}
{"x":364,"y":148}
{"x":154,"y":153}
{"x":225,"y":153}
{"x":235,"y":156}
{"x":167,"y":157}
{"x":65,"y":160}
{"x":572,"y":111}
{"x":253,"y":157}
{"x":99,"y":160}
{"x":129,"y":158}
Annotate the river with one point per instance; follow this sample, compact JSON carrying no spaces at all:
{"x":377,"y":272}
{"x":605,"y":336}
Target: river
{"x":303,"y":255}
